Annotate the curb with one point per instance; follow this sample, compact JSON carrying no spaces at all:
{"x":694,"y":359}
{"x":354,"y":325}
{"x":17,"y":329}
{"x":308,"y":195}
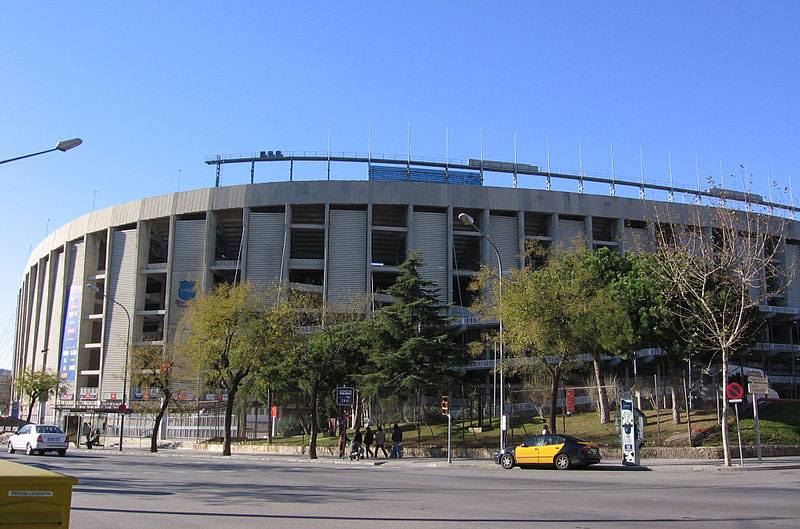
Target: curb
{"x":437,"y":463}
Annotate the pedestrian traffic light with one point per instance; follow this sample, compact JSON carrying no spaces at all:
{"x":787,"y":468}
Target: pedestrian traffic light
{"x":445,"y":404}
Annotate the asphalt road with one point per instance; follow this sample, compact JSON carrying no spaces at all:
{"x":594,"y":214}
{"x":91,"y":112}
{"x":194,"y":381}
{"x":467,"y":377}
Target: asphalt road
{"x":144,"y":491}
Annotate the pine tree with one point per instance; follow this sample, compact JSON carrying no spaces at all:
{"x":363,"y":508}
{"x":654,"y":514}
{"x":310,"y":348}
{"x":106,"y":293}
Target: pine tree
{"x":407,"y":343}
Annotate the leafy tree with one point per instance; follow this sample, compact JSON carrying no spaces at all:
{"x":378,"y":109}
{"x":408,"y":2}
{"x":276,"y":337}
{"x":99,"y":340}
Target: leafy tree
{"x":648,"y":298}
{"x":151,"y":368}
{"x":36,"y":385}
{"x":326,"y":359}
{"x":406,"y":343}
{"x":555,"y":310}
{"x":610,"y":330}
{"x":231,"y":333}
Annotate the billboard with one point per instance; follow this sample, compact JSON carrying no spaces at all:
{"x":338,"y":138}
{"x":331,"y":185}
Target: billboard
{"x":69,"y":344}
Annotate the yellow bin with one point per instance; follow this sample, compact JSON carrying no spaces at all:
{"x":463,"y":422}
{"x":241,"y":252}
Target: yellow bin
{"x":33,"y":498}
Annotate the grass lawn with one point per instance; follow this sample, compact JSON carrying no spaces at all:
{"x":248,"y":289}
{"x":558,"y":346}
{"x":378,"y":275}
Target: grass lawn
{"x":780,"y":424}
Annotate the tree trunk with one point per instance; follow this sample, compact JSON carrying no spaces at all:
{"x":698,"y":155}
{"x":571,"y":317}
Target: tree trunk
{"x":157,"y":423}
{"x":30,"y":409}
{"x":601,"y":391}
{"x":673,"y":374}
{"x":226,"y":445}
{"x":726,"y":442}
{"x":312,"y":444}
{"x":556,"y":382}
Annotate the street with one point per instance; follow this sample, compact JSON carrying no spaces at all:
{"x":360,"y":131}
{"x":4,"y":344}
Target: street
{"x":137,"y":490}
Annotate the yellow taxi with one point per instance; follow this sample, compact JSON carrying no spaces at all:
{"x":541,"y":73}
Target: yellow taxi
{"x":563,"y":451}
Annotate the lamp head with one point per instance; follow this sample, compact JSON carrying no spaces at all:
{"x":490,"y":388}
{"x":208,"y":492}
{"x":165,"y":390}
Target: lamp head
{"x":93,"y":287}
{"x":466,"y":220}
{"x":65,"y":145}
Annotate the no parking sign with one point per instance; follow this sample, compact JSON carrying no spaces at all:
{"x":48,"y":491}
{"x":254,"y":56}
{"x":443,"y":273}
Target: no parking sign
{"x":735,"y":392}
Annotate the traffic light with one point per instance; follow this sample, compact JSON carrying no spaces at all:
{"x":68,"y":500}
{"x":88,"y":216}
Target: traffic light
{"x":445,"y":405}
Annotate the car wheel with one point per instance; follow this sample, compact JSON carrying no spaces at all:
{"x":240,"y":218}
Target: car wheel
{"x":507,"y":461}
{"x":29,"y":450}
{"x":562,"y":462}
{"x":62,"y":453}
{"x":10,"y":448}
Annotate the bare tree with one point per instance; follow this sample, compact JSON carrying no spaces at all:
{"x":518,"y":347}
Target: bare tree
{"x":720,"y":265}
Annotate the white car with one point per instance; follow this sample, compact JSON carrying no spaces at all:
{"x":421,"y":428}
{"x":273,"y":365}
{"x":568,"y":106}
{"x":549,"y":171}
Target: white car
{"x":39,"y":438}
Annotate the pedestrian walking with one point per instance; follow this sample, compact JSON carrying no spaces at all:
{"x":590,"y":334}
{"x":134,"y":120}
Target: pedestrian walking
{"x":397,"y":438}
{"x":545,"y":430}
{"x":380,"y":442}
{"x":369,"y":437}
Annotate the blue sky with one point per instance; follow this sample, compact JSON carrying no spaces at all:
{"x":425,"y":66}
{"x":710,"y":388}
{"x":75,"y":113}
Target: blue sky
{"x":153,"y":88}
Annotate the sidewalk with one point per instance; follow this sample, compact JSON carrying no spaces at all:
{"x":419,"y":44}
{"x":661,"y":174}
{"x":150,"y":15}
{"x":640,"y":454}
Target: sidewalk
{"x":654,"y":465}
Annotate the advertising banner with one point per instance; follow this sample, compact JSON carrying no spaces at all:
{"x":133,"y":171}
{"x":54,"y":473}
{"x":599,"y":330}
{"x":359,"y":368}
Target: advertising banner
{"x":69,"y":345}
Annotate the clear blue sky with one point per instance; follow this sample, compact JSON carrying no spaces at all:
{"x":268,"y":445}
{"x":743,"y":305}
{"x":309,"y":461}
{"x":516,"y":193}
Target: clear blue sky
{"x":155,"y":87}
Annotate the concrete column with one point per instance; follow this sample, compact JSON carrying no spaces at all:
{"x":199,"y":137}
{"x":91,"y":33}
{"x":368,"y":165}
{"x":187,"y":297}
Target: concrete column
{"x":325,"y":260}
{"x":521,"y":239}
{"x":168,"y":294}
{"x":242,"y":272}
{"x":449,"y":254}
{"x":368,"y":258}
{"x":210,"y":249}
{"x":587,"y":226}
{"x":555,"y":231}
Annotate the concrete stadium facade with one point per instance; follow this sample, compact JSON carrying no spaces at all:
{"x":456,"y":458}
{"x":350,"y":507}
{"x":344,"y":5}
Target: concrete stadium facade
{"x":337,"y":238}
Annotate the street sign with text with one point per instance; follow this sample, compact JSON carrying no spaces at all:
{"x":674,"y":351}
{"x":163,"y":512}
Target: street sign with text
{"x":758,"y":384}
{"x":345,"y":396}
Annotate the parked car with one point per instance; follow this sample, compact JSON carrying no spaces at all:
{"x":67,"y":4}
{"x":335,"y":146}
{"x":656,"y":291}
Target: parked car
{"x":563,"y":451}
{"x":39,"y":438}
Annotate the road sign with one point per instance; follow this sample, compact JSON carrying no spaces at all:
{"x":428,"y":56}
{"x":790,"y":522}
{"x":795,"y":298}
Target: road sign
{"x":735,"y":392}
{"x":758,"y":384}
{"x":122,"y":408}
{"x":345,"y":396}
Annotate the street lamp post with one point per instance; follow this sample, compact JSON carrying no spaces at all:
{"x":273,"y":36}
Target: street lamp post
{"x":63,"y":145}
{"x":469,"y":221}
{"x":127,"y":351}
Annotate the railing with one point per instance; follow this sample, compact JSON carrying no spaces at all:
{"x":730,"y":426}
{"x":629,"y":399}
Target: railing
{"x":228,"y":264}
{"x":780,"y":310}
{"x":780,"y":347}
{"x":783,"y":379}
{"x":734,"y":200}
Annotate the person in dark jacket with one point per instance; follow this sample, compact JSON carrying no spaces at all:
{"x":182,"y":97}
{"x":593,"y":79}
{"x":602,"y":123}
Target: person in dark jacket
{"x":380,"y":442}
{"x":369,"y":437}
{"x":397,"y":438}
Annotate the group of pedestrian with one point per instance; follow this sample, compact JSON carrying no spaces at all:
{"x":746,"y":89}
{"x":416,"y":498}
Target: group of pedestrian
{"x":368,"y":438}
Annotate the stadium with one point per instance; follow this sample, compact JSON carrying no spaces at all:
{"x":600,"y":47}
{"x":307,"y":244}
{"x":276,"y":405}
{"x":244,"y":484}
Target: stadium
{"x":148,"y":258}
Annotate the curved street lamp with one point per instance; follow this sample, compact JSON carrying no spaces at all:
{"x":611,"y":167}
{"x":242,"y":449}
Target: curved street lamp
{"x":469,"y":221}
{"x":97,"y":290}
{"x":63,"y":145}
